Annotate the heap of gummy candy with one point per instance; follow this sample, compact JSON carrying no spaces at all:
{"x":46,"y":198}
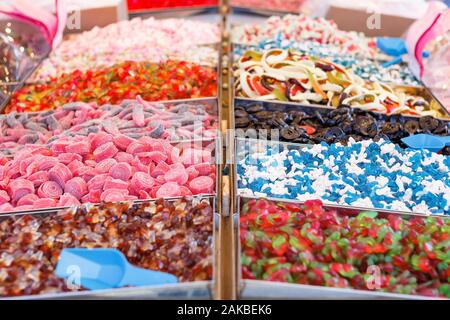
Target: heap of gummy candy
{"x":368,"y":174}
{"x":308,"y":244}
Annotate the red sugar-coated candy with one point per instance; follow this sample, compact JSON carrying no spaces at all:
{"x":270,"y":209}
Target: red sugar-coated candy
{"x":59,"y":147}
{"x":4,"y":197}
{"x":190,"y":157}
{"x":122,"y":141}
{"x":156,"y":145}
{"x":74,"y":166}
{"x":137,"y":147}
{"x":68,"y":200}
{"x":202,"y":185}
{"x":106,"y":150}
{"x":160,"y":179}
{"x":67,"y":158}
{"x":97,"y":182}
{"x":169,"y":189}
{"x":6,"y":207}
{"x":124,"y":157}
{"x":81,"y":148}
{"x":174,"y":155}
{"x":204,"y":168}
{"x":185,"y":192}
{"x":29,"y":199}
{"x":38,"y":178}
{"x":44,"y":203}
{"x":46,"y":163}
{"x":192,"y":172}
{"x":93,"y":196}
{"x":143,"y":195}
{"x":50,"y":189}
{"x":155,"y":156}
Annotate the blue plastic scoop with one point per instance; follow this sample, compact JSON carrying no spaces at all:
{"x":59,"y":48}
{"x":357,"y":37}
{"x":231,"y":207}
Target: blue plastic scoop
{"x":96,"y":269}
{"x":427,"y":141}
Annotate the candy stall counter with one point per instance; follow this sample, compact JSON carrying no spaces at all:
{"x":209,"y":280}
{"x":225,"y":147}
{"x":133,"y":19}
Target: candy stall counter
{"x":309,"y":250}
{"x":173,"y":236}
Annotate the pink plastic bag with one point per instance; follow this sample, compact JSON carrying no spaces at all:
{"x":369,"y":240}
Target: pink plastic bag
{"x":52,"y":26}
{"x":434,"y":23}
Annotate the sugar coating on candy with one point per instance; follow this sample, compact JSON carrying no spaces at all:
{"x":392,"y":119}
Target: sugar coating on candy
{"x":153,"y":40}
{"x":50,"y":189}
{"x":309,"y":244}
{"x":174,"y":237}
{"x":104,"y":173}
{"x":127,"y":80}
{"x":366,"y":174}
{"x":202,"y":185}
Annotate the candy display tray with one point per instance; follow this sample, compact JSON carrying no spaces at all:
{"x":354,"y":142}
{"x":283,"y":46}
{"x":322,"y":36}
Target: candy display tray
{"x":287,"y":105}
{"x":214,"y":144}
{"x":40,"y":51}
{"x":245,"y":146}
{"x":260,"y":289}
{"x":260,"y":11}
{"x":182,"y":290}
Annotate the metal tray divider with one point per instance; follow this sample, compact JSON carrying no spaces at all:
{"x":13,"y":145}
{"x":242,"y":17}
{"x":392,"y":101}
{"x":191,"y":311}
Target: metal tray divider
{"x":136,"y":292}
{"x":294,"y":146}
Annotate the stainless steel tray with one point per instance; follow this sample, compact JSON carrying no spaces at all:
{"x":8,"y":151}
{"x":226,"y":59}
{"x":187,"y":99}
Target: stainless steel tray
{"x":257,"y":289}
{"x":214,"y":144}
{"x":38,"y":47}
{"x":422,"y":91}
{"x":260,"y":289}
{"x":183,"y":290}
